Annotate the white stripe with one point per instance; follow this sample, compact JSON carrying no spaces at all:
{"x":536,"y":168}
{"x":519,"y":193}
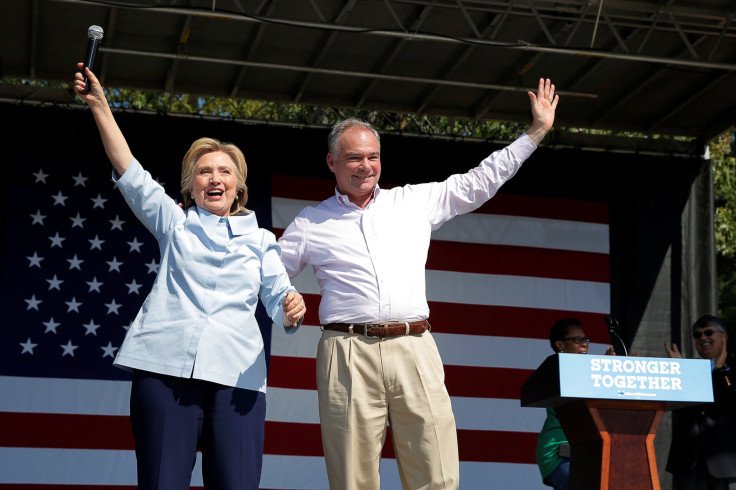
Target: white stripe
{"x":306,"y":283}
{"x":301,"y":406}
{"x":296,"y":472}
{"x":491,"y":229}
{"x":302,"y":343}
{"x":67,"y":466}
{"x":87,"y":467}
{"x":518,"y":291}
{"x":475,"y":476}
{"x":500,"y":290}
{"x":105,"y":397}
{"x":493,"y":352}
{"x":496,"y":414}
{"x":290,"y":405}
{"x":65,"y":396}
{"x":522,"y":231}
{"x":309,"y":473}
{"x":283,"y":210}
{"x":283,"y":405}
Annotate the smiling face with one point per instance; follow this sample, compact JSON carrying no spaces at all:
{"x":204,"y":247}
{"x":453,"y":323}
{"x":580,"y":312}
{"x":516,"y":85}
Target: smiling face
{"x":356,"y":164}
{"x":710,"y":346}
{"x":214,"y":183}
{"x":568,"y":344}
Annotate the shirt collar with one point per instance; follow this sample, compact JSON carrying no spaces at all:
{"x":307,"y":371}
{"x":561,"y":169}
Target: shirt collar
{"x":241,"y":224}
{"x":344,"y":200}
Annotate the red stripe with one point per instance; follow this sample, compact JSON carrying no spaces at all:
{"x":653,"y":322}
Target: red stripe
{"x":480,"y":258}
{"x":474,"y":445}
{"x":312,"y":316}
{"x":509,"y":321}
{"x":488,"y":320}
{"x":547,"y":208}
{"x":318,"y":189}
{"x":302,"y":188}
{"x":298,"y":373}
{"x":496,"y":382}
{"x":66,"y":431}
{"x":293,"y":439}
{"x":496,"y":446}
{"x":38,"y":486}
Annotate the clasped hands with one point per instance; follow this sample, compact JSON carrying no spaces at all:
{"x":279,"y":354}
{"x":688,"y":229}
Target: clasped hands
{"x":294,"y":309}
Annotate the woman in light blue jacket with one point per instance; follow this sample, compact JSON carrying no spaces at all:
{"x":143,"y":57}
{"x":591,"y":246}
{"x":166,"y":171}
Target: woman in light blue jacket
{"x":195,"y":348}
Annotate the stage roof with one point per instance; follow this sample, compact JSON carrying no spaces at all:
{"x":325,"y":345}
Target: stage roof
{"x":662,"y":67}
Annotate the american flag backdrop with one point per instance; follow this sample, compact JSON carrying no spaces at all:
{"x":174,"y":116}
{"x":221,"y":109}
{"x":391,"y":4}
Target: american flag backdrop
{"x":76,"y":266}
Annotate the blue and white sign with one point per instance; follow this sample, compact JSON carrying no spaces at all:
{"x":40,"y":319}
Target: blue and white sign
{"x":635,"y":378}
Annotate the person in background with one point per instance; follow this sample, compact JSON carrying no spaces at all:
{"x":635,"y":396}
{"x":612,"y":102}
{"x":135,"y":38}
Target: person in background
{"x":195,"y":347}
{"x":703,"y":451}
{"x":553,"y":451}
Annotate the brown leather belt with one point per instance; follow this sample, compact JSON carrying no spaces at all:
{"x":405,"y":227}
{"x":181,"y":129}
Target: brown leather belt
{"x":382,"y":330}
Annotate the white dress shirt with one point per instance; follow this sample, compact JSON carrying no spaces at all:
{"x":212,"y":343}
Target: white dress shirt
{"x":370,"y":262}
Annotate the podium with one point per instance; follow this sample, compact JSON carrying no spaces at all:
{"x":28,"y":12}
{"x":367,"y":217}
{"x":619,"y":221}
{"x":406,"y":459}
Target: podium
{"x":610,"y":408}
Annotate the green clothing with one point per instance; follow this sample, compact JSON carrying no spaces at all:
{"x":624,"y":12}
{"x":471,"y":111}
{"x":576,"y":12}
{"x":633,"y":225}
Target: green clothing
{"x":548,"y":441}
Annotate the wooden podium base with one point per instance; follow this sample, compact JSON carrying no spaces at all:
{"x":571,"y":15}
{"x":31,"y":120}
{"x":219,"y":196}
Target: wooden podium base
{"x":612,"y":443}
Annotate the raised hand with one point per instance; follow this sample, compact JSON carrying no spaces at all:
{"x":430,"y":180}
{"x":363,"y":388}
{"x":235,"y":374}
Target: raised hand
{"x":95,"y":96}
{"x":673,"y":352}
{"x":544,"y":104}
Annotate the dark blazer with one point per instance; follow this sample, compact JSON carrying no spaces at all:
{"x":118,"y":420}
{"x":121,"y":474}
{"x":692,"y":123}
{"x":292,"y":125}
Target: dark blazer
{"x":707,"y":432}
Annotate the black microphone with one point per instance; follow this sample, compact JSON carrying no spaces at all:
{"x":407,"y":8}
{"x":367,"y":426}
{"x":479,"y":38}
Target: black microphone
{"x":612,"y":326}
{"x":95,"y":34}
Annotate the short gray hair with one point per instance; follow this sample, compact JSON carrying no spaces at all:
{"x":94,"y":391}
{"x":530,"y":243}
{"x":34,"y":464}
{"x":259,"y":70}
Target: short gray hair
{"x":339,"y":128}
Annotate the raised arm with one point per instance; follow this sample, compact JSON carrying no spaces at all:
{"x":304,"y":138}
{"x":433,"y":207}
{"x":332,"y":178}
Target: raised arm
{"x":116,"y":147}
{"x":544,"y":104}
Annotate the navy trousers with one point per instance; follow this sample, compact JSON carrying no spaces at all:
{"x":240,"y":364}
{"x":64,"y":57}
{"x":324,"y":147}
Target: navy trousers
{"x":171,"y":417}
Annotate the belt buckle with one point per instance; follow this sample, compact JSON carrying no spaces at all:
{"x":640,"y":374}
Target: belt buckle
{"x":366,"y":326}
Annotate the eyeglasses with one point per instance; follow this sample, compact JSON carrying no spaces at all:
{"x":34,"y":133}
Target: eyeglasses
{"x":707,"y":333}
{"x":578,"y":340}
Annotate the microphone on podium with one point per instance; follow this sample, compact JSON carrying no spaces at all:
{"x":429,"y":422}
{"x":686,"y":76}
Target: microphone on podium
{"x":94,"y":33}
{"x":612,"y":325}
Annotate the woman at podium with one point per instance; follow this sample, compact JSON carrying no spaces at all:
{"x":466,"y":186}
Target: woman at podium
{"x":553,"y":450}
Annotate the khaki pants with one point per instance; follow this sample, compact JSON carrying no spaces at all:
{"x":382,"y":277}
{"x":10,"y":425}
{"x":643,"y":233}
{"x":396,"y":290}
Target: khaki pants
{"x":365,"y":383}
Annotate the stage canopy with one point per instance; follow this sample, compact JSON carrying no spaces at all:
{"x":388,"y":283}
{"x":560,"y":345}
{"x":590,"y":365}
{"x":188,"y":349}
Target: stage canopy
{"x":661,"y":67}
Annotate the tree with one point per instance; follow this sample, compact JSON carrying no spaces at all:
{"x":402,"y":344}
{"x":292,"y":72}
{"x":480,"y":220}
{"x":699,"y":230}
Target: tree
{"x":722,"y":152}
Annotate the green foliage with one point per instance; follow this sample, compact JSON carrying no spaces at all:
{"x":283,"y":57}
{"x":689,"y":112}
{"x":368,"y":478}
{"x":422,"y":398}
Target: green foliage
{"x":722,"y":152}
{"x":304,"y":115}
{"x":293,"y":114}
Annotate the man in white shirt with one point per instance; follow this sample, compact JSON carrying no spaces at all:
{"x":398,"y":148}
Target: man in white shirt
{"x":377,"y":362}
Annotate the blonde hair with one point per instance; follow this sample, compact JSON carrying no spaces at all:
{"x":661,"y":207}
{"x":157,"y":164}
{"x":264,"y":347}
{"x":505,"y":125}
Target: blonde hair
{"x":202,"y":147}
